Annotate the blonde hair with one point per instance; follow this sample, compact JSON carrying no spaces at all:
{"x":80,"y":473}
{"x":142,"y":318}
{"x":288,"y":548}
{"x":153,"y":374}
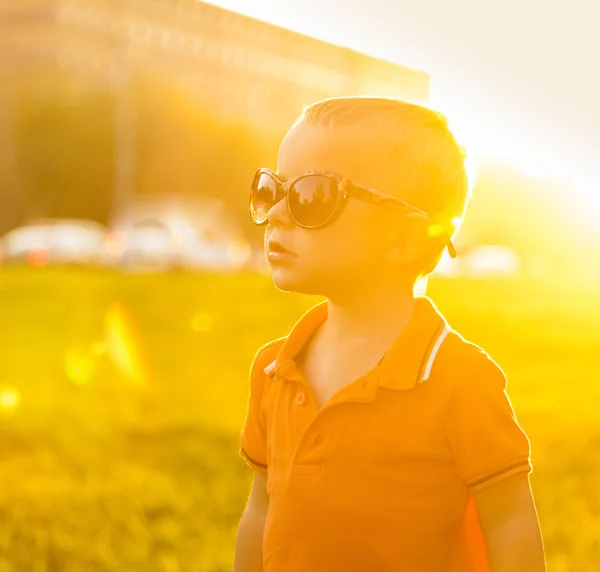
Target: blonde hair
{"x":431,"y":167}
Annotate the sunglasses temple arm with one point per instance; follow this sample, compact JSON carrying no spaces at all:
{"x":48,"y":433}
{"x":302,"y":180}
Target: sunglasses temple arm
{"x":451,"y":248}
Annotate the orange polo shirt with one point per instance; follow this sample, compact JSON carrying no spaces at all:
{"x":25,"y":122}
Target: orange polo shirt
{"x":381,"y":477}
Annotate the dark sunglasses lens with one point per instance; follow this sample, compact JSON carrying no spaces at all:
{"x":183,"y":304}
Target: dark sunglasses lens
{"x":262,"y":197}
{"x":312,"y":200}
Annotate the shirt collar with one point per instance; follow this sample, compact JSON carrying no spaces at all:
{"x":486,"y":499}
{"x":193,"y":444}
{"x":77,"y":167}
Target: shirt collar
{"x":284,"y":365}
{"x":406,"y":364}
{"x":410,"y":359}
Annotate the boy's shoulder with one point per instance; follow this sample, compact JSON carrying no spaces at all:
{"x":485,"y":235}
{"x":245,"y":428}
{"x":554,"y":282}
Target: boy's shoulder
{"x":465,"y":362}
{"x":465,"y":350}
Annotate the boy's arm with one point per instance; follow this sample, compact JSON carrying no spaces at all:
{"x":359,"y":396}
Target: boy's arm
{"x":248,"y":548}
{"x":509,"y":522}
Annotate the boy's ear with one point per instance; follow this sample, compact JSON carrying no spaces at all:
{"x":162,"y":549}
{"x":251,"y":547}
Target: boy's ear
{"x":409,"y":238}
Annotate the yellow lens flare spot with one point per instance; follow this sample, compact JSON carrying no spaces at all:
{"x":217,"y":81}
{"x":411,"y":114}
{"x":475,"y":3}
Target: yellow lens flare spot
{"x":456,"y":222}
{"x":122,"y":345}
{"x":435,"y":230}
{"x":79,"y":367}
{"x":201,"y":323}
{"x":9,"y":398}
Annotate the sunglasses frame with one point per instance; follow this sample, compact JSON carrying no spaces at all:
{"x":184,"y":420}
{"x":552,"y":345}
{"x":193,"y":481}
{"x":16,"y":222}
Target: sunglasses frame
{"x":346,"y":189}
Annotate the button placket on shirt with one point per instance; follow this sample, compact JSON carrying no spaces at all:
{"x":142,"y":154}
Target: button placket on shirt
{"x":310,"y":443}
{"x":303,"y":400}
{"x":300,"y":398}
{"x":368,"y":390}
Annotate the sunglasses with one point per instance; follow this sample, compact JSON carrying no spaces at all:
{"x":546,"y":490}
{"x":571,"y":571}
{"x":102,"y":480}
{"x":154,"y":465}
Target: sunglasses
{"x":315,"y":199}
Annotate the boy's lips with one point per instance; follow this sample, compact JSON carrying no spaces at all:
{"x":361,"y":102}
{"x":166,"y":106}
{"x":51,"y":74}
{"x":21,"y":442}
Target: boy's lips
{"x":277,"y":251}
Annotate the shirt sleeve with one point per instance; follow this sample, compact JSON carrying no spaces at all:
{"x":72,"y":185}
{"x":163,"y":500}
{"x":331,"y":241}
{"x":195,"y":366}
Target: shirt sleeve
{"x":253,"y":447}
{"x":486,"y":440}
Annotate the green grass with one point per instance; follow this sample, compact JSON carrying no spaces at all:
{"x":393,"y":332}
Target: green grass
{"x":101,"y":472}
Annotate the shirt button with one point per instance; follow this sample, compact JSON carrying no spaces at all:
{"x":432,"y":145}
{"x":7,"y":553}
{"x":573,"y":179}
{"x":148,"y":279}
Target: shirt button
{"x":300,"y":398}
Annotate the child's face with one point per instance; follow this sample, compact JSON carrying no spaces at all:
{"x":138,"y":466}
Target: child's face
{"x":353,"y":251}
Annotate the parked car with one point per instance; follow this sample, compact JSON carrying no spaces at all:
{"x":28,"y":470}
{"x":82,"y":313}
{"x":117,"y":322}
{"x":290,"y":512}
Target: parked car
{"x":57,"y":242}
{"x":491,"y":261}
{"x":145,"y":245}
{"x":167,"y":232}
{"x":203,"y":250}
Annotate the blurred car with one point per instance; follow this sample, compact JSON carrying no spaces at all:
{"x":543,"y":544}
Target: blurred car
{"x":203,"y":250}
{"x":57,"y":242}
{"x":145,"y":245}
{"x":491,"y":261}
{"x":173,"y":232}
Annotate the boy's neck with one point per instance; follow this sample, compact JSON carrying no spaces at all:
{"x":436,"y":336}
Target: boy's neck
{"x":377,"y":313}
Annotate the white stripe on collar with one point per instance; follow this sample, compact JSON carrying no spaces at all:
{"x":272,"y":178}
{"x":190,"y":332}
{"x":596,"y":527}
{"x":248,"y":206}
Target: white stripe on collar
{"x":434,"y":352}
{"x":270,"y":368}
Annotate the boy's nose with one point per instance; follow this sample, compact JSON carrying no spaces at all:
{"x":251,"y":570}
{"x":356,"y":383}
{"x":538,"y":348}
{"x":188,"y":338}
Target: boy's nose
{"x":278,"y":214}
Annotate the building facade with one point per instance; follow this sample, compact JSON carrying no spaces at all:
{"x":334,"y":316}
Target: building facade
{"x":242,"y":67}
{"x":235,"y":69}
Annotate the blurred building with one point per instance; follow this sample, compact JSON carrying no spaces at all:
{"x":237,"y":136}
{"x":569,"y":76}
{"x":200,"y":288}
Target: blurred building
{"x":238,"y":69}
{"x":238,"y":65}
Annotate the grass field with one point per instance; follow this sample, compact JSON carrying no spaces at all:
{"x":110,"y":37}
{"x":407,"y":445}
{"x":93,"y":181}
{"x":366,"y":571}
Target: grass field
{"x":122,"y":397}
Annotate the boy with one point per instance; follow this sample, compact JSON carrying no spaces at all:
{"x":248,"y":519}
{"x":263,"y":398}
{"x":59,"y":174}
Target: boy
{"x":381,"y":440}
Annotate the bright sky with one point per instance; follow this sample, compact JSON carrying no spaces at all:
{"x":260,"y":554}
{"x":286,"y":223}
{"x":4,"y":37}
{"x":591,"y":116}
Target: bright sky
{"x":518,"y":78}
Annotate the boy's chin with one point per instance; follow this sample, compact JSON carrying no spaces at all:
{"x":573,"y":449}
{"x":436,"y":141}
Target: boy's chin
{"x":287,"y":281}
